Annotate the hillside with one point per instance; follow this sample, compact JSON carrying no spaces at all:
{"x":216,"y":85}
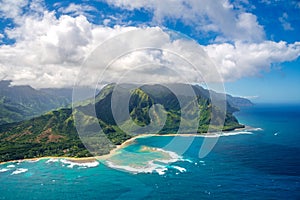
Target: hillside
{"x":24,"y":102}
{"x":54,"y":133}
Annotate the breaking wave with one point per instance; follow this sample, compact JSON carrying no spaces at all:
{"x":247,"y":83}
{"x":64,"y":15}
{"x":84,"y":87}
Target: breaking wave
{"x":4,"y":170}
{"x":19,"y":171}
{"x":71,"y":164}
{"x":156,"y":165}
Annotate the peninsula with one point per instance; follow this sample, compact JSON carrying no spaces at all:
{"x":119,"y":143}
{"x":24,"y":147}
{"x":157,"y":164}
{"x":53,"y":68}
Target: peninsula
{"x":54,"y":134}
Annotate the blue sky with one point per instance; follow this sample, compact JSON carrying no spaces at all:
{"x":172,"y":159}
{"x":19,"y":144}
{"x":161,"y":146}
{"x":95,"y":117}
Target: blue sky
{"x":255,"y":45}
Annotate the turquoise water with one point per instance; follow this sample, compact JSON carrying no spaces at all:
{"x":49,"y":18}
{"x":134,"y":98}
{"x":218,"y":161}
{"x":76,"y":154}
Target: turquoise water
{"x":260,"y":164}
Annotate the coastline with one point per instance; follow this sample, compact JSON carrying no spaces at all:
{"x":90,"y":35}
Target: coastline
{"x":124,"y":144}
{"x":83,"y":159}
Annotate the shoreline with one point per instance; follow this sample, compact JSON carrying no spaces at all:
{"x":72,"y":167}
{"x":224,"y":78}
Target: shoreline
{"x":124,"y":144}
{"x":82,"y":159}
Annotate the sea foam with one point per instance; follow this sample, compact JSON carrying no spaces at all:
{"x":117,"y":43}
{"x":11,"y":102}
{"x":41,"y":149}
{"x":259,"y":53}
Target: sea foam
{"x":4,"y":170}
{"x":245,"y":131}
{"x":158,"y":165}
{"x":19,"y":171}
{"x":181,"y":169}
{"x":71,"y":164}
{"x":149,"y":168}
{"x":52,"y":160}
{"x":253,"y":129}
{"x":235,"y":133}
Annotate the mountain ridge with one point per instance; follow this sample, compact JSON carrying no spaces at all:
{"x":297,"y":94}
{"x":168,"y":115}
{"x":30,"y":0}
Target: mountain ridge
{"x":55,"y":134}
{"x":24,"y":102}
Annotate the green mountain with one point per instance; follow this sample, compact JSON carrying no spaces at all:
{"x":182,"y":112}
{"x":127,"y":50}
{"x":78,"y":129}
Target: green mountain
{"x":238,"y":101}
{"x":59,"y":92}
{"x":23,"y":102}
{"x":54,"y":133}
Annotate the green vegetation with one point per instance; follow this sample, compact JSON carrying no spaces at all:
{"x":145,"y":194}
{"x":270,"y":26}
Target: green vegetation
{"x":54,"y":133}
{"x":23,"y":102}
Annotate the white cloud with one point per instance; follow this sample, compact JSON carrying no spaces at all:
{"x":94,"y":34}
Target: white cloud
{"x":284,"y":22}
{"x":232,"y":61}
{"x":106,"y":22}
{"x":205,"y":15}
{"x":164,"y":60}
{"x":18,"y":10}
{"x":77,"y":9}
{"x":12,"y":9}
{"x":268,"y":2}
{"x":49,"y":51}
{"x":243,"y":59}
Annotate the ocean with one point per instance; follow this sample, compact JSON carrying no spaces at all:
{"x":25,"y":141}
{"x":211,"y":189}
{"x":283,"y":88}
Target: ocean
{"x":262,"y":162}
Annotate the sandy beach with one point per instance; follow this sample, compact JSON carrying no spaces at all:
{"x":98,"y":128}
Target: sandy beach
{"x":124,"y":144}
{"x":83,"y":159}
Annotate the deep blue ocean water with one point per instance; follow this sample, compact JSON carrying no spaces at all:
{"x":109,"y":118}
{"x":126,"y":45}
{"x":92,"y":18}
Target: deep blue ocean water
{"x":262,"y":165}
